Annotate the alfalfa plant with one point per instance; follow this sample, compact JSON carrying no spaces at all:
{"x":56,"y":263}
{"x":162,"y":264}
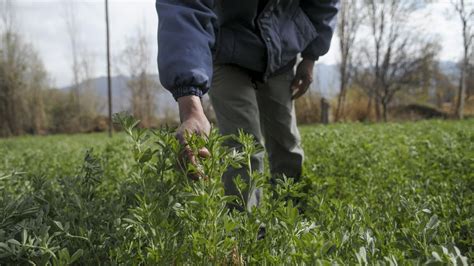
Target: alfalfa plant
{"x":175,"y":220}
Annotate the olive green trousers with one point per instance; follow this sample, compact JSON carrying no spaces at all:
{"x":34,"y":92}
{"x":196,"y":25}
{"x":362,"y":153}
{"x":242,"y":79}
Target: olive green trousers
{"x":264,"y":110}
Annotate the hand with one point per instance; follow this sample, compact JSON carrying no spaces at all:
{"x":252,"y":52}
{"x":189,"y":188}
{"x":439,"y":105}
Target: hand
{"x":193,"y":121}
{"x":303,"y":78}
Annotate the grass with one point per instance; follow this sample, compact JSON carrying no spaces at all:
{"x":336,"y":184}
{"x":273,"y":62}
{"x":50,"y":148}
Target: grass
{"x":398,"y":193}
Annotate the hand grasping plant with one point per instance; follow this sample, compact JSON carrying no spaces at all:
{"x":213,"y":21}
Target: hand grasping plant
{"x":193,"y":121}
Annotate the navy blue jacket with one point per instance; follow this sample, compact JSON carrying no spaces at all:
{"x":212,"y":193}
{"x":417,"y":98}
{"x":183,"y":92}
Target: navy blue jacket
{"x":194,"y":34}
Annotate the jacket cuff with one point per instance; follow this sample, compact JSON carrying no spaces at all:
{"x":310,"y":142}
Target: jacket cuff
{"x":309,"y":56}
{"x":186,"y":91}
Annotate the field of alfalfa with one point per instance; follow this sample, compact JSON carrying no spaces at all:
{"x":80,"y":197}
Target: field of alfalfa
{"x":384,"y":194}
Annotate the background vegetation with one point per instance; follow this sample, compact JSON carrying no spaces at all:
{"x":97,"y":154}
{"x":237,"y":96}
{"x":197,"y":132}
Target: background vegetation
{"x":393,"y":193}
{"x":388,"y":69}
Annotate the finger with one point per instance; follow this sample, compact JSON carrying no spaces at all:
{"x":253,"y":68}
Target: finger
{"x":296,"y":81}
{"x":295,"y":86}
{"x":204,"y":153}
{"x":304,"y":86}
{"x":297,"y":95}
{"x":186,"y":153}
{"x":187,"y":156}
{"x":197,"y":172}
{"x":195,"y":176}
{"x":297,"y":92}
{"x":306,"y":82}
{"x":200,"y":174}
{"x":181,"y":139}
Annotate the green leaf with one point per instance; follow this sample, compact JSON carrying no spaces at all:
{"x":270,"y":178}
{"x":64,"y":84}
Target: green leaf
{"x":59,"y":225}
{"x":5,"y":247}
{"x":146,"y":156}
{"x":24,"y":236}
{"x":426,"y":211}
{"x":436,"y":256}
{"x":14,"y":241}
{"x":433,"y":222}
{"x":77,"y":255}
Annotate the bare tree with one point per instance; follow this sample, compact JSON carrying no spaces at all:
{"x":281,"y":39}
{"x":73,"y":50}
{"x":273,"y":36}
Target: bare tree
{"x":470,"y":78}
{"x":22,"y":79}
{"x":13,"y":62}
{"x":70,"y":10}
{"x":91,"y":103}
{"x":465,"y":11}
{"x":7,"y":14}
{"x":350,"y":18}
{"x":136,"y":59}
{"x":84,"y":96}
{"x":37,"y":83}
{"x":396,"y":49}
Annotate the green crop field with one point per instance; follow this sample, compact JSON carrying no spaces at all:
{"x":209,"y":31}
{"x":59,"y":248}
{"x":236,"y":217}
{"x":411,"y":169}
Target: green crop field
{"x":385,"y":194}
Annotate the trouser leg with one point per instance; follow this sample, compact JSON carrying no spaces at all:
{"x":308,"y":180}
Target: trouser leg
{"x":279,"y":128}
{"x":234,"y":101}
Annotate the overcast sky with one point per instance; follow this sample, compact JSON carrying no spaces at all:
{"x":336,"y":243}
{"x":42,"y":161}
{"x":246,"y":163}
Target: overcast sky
{"x":42,"y":22}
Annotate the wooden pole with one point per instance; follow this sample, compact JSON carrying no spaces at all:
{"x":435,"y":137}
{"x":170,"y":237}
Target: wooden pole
{"x":109,"y":79}
{"x":324,"y":111}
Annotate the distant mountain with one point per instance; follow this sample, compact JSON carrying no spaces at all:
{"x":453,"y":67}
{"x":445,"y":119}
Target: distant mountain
{"x":449,"y":68}
{"x":326,"y":82}
{"x":121,"y":94}
{"x":327,"y":77}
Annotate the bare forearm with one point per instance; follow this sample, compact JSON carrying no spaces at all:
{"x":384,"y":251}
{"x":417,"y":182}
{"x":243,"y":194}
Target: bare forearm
{"x":189,"y":107}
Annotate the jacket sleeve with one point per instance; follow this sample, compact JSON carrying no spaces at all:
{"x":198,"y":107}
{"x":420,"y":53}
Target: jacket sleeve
{"x":185,"y":39}
{"x":323,"y":15}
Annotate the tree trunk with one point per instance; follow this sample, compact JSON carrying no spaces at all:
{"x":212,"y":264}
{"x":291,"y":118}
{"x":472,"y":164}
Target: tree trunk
{"x":461,"y":92}
{"x":324,"y":111}
{"x":378,"y":114}
{"x":384,"y":111}
{"x":109,"y":78}
{"x":340,"y":100}
{"x":369,"y":107}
